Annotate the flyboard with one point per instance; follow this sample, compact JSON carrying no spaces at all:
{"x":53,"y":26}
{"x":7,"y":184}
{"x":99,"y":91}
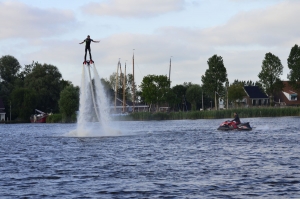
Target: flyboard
{"x":88,"y":64}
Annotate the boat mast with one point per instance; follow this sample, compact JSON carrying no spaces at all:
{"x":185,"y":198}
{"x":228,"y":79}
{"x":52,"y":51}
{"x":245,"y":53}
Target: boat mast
{"x":133,"y":85}
{"x":170,"y":73}
{"x":124,"y":85}
{"x":116,"y":85}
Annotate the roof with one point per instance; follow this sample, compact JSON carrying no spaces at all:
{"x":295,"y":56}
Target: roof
{"x":255,"y":92}
{"x":280,"y":97}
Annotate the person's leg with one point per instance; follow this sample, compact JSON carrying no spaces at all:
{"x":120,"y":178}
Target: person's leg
{"x":85,"y":54}
{"x":90,"y":54}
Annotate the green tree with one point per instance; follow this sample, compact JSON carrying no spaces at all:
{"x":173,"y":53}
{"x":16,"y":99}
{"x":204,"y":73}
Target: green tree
{"x":214,"y":78}
{"x":64,"y":84}
{"x":294,"y":66}
{"x":236,"y":92}
{"x":155,"y":89}
{"x":69,"y":102}
{"x":9,"y":69}
{"x":23,"y":103}
{"x":179,"y":94}
{"x":269,"y":75}
{"x":45,"y":80}
{"x":194,"y":95}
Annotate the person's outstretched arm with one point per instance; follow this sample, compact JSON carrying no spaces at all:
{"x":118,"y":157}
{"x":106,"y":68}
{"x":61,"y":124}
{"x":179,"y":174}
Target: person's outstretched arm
{"x":81,"y":42}
{"x":96,"y":41}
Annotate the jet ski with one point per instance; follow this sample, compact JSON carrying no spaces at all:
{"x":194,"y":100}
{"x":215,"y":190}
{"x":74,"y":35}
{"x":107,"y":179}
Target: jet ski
{"x":230,"y":125}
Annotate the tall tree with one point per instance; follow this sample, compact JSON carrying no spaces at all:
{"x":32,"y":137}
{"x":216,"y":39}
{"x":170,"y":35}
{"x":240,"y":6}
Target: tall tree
{"x":214,"y":78}
{"x":45,"y":80}
{"x":269,"y":75}
{"x":155,"y":89}
{"x":294,"y":66}
{"x":194,"y":95}
{"x":9,"y":69}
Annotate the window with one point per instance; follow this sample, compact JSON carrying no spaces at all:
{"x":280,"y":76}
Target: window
{"x":294,"y":97}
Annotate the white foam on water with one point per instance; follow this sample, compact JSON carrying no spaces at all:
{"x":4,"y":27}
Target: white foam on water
{"x":94,"y":117}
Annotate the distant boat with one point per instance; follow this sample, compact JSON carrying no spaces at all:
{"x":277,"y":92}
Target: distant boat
{"x":39,"y":117}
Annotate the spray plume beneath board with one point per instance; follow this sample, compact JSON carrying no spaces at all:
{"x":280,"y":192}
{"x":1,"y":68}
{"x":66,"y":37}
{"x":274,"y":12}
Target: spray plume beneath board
{"x":94,"y":118}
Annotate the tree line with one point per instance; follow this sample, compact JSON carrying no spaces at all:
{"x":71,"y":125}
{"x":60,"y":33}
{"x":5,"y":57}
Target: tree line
{"x":36,"y":86}
{"x":155,"y":89}
{"x":41,"y":86}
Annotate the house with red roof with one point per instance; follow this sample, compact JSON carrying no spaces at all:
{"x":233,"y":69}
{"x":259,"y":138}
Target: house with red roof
{"x":289,"y":96}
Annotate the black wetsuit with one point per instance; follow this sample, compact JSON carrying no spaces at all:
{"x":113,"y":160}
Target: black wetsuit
{"x":88,"y":47}
{"x":237,"y":119}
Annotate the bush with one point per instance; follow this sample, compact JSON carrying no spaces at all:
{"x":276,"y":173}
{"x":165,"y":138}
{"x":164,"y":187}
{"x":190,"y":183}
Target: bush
{"x":54,"y":118}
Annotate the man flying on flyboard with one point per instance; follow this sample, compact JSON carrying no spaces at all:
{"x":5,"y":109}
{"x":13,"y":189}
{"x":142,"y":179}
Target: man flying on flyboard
{"x":88,"y":41}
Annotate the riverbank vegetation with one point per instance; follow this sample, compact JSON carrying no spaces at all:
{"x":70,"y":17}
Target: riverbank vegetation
{"x":213,"y":114}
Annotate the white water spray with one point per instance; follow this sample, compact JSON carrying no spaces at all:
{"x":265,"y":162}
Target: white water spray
{"x":94,"y":118}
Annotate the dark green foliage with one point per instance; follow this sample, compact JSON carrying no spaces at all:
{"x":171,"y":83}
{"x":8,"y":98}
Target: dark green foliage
{"x":248,"y":83}
{"x":54,"y":118}
{"x":194,"y":95}
{"x":236,"y":92}
{"x":214,"y":78}
{"x":155,"y":89}
{"x":69,"y":102}
{"x":45,"y":80}
{"x":64,"y":84}
{"x":9,"y":69}
{"x":269,"y":76}
{"x":23,"y":102}
{"x":179,"y":92}
{"x":294,"y":66}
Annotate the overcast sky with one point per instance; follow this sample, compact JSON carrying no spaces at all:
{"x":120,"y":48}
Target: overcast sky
{"x":187,"y":31}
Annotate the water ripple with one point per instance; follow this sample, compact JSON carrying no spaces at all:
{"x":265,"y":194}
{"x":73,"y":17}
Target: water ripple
{"x":178,"y":159}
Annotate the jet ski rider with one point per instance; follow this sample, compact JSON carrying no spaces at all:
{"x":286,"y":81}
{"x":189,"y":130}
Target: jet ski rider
{"x":236,"y":121}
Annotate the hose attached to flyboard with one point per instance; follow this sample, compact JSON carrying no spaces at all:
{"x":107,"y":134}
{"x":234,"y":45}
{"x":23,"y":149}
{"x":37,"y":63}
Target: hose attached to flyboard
{"x":93,"y":95}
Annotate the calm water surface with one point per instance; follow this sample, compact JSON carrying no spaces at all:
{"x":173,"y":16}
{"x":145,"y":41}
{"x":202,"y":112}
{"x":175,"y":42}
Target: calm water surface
{"x":153,"y":159}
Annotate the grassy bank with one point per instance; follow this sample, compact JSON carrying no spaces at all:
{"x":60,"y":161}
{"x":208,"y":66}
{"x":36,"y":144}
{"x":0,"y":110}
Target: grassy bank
{"x":243,"y":113}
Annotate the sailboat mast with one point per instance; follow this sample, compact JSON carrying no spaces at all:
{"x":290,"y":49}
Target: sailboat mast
{"x":124,"y":85}
{"x":116,"y":85}
{"x":133,"y":85}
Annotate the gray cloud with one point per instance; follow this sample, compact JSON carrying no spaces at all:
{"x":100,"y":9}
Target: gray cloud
{"x":269,"y":27}
{"x":18,"y":20}
{"x":242,"y":42}
{"x":134,"y":8}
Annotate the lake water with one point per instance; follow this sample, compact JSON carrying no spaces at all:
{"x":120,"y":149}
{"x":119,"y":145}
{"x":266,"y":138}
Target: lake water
{"x":152,"y":159}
